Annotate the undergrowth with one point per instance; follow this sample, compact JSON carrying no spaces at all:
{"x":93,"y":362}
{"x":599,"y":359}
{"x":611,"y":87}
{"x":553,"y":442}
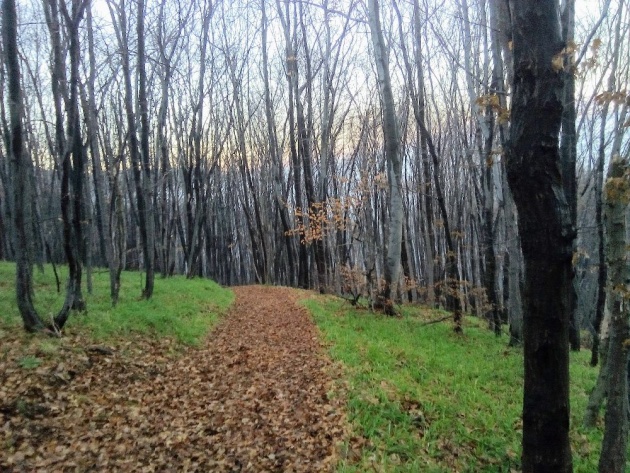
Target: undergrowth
{"x":183,"y":309}
{"x":423,"y":399}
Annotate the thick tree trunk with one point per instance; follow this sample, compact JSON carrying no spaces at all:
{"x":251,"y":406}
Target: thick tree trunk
{"x":19,"y":172}
{"x":546,"y":234}
{"x":489,"y":277}
{"x":394,"y":163}
{"x":617,"y":198}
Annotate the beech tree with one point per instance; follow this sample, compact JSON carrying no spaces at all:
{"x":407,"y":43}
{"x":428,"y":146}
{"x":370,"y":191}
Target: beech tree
{"x":72,"y":156}
{"x":19,"y":172}
{"x":138,"y":147}
{"x":616,"y":200}
{"x":546,"y":232}
{"x":391,"y":135}
{"x":144,"y":191}
{"x":616,"y":52}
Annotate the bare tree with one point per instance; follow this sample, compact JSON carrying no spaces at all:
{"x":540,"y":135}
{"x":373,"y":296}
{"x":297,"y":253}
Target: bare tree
{"x":73,"y":169}
{"x":138,"y":148}
{"x":277,"y":173}
{"x":145,"y":205}
{"x":19,"y":172}
{"x":617,"y":198}
{"x":102,"y":205}
{"x":391,"y":136}
{"x":602,"y":271}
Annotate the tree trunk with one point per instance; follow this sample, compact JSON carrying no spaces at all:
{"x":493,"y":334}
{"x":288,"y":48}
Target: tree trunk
{"x":568,"y":152}
{"x":69,"y":148}
{"x":146,"y":217}
{"x":514,"y":268}
{"x":136,"y":154}
{"x":616,"y":200}
{"x":292,"y":71}
{"x":546,"y":233}
{"x":430,"y":156}
{"x":391,"y":136}
{"x":602,"y":274}
{"x":278,"y":179}
{"x":599,"y":392}
{"x":19,"y":172}
{"x":305,"y":148}
{"x":485,"y":142}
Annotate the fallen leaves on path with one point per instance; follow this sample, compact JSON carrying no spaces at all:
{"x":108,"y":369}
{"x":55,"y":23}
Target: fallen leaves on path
{"x":253,"y":398}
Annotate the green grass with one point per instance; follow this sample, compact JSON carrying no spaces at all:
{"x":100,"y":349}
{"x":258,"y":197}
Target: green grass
{"x":422,"y":399}
{"x":184,"y":309}
{"x":29,"y":362}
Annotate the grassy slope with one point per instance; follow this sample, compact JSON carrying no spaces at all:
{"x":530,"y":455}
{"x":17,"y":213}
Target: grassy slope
{"x":422,"y":399}
{"x":180,"y":308}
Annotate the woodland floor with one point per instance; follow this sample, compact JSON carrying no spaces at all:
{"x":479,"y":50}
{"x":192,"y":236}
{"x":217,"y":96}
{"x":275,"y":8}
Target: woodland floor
{"x":254,"y":397}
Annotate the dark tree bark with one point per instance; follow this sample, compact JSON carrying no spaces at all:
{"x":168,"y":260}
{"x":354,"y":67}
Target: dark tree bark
{"x":600,"y":303}
{"x":68,"y":154}
{"x":488,"y":231}
{"x":19,"y":172}
{"x":73,"y":169}
{"x":547,"y":235}
{"x":568,"y":152}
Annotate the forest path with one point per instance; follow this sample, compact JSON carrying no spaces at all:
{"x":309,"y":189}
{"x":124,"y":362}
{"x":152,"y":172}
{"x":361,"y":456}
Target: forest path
{"x":253,"y":398}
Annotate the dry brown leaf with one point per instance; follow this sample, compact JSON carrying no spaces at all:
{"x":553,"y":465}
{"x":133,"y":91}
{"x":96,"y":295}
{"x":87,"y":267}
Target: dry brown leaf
{"x":253,"y":398}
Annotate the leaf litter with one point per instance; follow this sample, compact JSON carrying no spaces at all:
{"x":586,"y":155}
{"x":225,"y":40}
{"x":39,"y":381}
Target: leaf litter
{"x":255,"y":397}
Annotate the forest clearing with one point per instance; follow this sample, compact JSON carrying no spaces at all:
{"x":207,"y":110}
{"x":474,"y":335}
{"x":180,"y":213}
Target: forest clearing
{"x":259,"y":392}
